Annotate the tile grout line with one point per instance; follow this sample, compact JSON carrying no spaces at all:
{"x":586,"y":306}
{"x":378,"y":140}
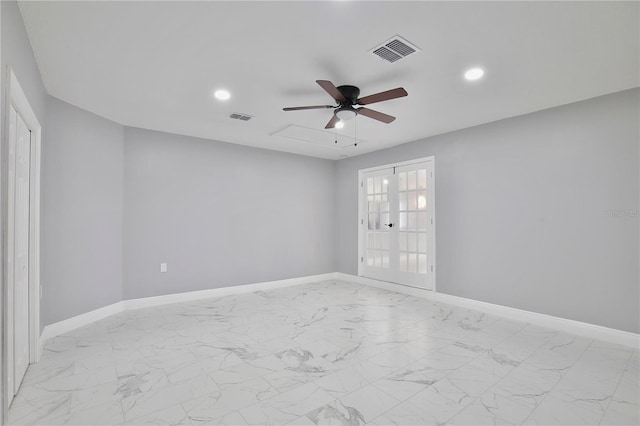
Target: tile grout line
{"x":355,"y":390}
{"x":502,"y":378}
{"x":479,"y":396}
{"x":442,"y":378}
{"x":448,"y":374}
{"x":522,"y":362}
{"x":562,"y":377}
{"x":604,"y":412}
{"x":273,"y":353}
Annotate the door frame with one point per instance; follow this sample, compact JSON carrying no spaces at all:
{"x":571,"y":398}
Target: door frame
{"x":18,"y":99}
{"x":361,"y":210}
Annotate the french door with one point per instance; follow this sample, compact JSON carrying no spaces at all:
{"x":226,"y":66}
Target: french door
{"x":396,"y":232}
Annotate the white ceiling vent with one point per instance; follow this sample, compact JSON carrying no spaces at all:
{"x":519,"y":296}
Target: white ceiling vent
{"x":394,"y":49}
{"x":242,"y":117}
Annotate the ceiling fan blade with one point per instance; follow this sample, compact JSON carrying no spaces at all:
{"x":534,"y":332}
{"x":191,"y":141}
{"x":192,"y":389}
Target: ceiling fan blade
{"x":308,"y":107}
{"x":382,"y":96}
{"x":332,"y":123}
{"x":376,"y":115}
{"x":331,"y":89}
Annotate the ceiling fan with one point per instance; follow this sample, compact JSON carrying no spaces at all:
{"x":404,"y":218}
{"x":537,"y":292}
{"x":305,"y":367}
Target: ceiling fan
{"x":347,"y":98}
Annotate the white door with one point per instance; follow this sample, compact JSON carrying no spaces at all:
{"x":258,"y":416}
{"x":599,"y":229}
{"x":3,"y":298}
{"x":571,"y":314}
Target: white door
{"x":397,"y":227}
{"x":378,"y":260}
{"x":18,"y":248}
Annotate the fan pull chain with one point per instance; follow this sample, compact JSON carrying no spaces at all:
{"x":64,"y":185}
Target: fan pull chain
{"x":355,"y":130}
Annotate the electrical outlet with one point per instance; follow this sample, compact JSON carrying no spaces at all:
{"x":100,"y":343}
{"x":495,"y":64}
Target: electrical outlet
{"x":163,"y":267}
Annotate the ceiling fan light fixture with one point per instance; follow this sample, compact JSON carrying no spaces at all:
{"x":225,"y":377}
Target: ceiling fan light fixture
{"x":346,"y":114}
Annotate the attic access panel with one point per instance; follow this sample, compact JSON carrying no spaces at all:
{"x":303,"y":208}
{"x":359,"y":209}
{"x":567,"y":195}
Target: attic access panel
{"x":324,"y":138}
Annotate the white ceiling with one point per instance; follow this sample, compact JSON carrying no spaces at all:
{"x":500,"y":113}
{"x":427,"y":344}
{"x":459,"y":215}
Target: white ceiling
{"x":155,"y":64}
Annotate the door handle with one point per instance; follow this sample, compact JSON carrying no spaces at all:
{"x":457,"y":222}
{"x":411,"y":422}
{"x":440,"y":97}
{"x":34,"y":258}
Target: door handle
{"x":390,"y":225}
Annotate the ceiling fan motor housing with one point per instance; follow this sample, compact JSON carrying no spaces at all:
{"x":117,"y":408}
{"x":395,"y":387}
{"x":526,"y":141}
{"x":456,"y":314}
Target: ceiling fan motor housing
{"x":346,"y":111}
{"x":350,"y":93}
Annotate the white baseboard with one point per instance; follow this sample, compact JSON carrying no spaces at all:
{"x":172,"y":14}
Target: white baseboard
{"x":592,"y":331}
{"x":147,"y":302}
{"x":81,"y":320}
{"x":398,"y":288}
{"x":58,"y":328}
{"x":561,"y":324}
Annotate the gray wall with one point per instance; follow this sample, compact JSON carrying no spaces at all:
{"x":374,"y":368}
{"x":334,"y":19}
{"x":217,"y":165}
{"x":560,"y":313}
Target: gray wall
{"x":17,"y":54}
{"x":221,"y":214}
{"x":82,"y":193}
{"x":81,"y":189}
{"x":521,"y":210}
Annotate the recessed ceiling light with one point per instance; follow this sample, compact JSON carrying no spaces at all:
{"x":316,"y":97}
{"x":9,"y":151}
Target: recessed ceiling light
{"x":222,"y":94}
{"x":339,"y":124}
{"x":474,"y":74}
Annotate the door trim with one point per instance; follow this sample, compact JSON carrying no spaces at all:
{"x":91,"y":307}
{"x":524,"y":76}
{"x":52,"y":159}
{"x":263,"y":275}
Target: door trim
{"x":18,"y":99}
{"x":361,"y":207}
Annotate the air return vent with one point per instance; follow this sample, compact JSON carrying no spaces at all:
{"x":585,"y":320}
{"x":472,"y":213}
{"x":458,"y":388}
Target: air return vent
{"x":394,"y":49}
{"x":242,"y":117}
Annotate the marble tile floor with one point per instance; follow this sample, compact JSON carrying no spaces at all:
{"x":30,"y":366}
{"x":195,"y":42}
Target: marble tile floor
{"x":325,"y":353}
